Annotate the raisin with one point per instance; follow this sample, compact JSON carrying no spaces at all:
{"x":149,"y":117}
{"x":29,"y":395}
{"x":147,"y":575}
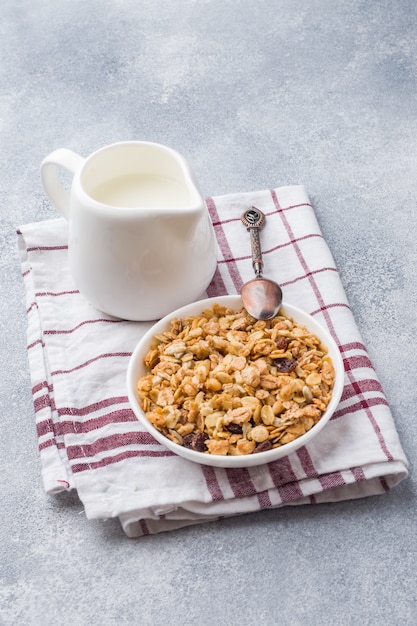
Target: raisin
{"x":195,"y":441}
{"x":282,"y":343}
{"x":187,"y":440}
{"x":235,"y":429}
{"x":263,"y":447}
{"x":285,"y":365}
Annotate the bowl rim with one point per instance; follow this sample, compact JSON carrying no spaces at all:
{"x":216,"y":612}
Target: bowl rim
{"x":249,"y":460}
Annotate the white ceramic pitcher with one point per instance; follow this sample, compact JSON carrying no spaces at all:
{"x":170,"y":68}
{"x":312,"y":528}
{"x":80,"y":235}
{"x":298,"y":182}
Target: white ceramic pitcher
{"x":141,"y":242}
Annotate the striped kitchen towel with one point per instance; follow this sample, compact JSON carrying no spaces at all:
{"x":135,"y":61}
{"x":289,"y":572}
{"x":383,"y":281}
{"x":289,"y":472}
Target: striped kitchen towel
{"x":89,"y":439}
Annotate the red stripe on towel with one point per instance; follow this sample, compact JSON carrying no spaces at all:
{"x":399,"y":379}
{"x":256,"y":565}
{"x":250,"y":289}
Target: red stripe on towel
{"x":106,"y":355}
{"x":127,"y":454}
{"x":212,"y":483}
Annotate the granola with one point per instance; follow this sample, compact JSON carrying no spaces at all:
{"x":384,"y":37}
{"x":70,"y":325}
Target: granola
{"x":224,"y":383}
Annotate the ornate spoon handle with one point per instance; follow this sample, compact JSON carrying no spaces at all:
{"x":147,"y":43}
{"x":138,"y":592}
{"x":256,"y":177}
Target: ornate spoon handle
{"x":254,"y":219}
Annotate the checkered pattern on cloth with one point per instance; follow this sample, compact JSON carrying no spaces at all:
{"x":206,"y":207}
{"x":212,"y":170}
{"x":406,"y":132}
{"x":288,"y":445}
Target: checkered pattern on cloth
{"x":88,"y":436}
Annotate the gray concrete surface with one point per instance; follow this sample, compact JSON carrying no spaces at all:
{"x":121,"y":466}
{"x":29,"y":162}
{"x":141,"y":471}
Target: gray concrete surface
{"x":255,"y":94}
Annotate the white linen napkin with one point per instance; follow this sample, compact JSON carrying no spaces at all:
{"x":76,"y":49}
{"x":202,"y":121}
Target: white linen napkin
{"x":89,"y":438}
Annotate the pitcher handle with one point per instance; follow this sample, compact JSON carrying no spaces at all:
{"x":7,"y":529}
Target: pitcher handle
{"x":55,"y":190}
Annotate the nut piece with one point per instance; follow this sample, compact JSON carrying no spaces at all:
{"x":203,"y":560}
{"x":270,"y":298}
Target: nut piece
{"x":258,"y":434}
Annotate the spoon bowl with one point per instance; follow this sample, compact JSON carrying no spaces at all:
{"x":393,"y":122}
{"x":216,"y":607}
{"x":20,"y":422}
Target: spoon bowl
{"x":261,"y":296}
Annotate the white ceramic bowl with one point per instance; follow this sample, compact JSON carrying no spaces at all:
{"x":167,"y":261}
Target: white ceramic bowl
{"x":136,"y":369}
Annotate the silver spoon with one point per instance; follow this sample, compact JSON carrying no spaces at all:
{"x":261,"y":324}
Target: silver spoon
{"x":261,"y":297}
